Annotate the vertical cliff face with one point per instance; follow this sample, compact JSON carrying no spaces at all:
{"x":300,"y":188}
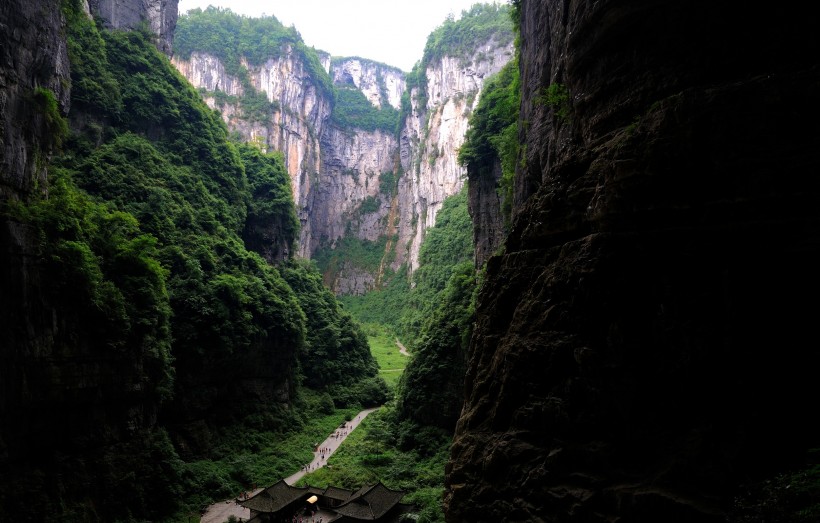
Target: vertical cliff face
{"x":349,"y":198}
{"x":159,"y":15}
{"x":68,"y":400}
{"x":295,"y":127}
{"x":637,"y":350}
{"x":337,"y":170}
{"x":379,"y":83}
{"x":33,"y":57}
{"x":432,"y":135}
{"x":484,"y":204}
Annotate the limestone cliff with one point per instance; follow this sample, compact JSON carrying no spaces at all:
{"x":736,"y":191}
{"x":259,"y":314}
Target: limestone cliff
{"x":434,"y":132}
{"x":639,"y":351}
{"x":70,"y":405}
{"x":33,"y":56}
{"x":379,"y":83}
{"x":294,"y":128}
{"x":160,"y":16}
{"x":336,"y":170}
{"x":484,"y":205}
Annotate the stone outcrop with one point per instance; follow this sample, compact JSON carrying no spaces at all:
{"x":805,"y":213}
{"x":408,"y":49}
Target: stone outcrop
{"x":640,"y":348}
{"x":484,"y":204}
{"x":380,"y":83}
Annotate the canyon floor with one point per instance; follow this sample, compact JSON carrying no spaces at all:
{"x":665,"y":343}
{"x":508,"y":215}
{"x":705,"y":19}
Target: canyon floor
{"x":220,"y":512}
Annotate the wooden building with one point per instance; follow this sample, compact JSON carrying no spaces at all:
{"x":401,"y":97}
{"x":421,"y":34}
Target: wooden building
{"x":280,"y":502}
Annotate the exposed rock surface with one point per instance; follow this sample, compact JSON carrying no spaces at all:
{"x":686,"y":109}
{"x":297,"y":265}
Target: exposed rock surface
{"x":371,"y":78}
{"x":432,"y":136}
{"x":642,"y":347}
{"x":160,"y":15}
{"x":484,"y":205}
{"x":69,"y":405}
{"x":334,"y":171}
{"x":32,"y":55}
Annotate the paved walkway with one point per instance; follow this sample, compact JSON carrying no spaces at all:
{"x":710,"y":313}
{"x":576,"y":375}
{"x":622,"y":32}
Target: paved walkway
{"x":402,"y":348}
{"x":220,"y":512}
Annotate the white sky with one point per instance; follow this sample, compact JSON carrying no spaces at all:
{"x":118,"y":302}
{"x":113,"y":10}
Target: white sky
{"x":389,"y":31}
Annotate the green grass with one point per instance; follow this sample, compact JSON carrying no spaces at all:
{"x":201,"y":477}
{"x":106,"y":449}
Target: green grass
{"x":369,"y":455}
{"x":246,"y":458}
{"x":384,"y":349}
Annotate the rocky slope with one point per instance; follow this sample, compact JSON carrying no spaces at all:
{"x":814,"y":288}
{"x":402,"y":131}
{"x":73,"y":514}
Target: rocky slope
{"x":639,"y":351}
{"x":336,"y":171}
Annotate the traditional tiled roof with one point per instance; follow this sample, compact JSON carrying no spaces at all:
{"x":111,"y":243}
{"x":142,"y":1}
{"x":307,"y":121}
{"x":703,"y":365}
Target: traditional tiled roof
{"x":370,"y":503}
{"x":397,"y":515}
{"x":337,"y":493}
{"x":277,"y":496}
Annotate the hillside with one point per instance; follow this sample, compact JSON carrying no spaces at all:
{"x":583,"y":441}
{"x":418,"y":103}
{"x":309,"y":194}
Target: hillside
{"x":140,"y":320}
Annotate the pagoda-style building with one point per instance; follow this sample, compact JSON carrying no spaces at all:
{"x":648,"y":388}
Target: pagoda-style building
{"x":280,"y":502}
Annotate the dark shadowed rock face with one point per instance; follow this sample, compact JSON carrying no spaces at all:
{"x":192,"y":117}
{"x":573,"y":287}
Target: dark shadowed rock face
{"x":32,"y":55}
{"x":67,"y":404}
{"x":484,"y":204}
{"x":643,"y":347}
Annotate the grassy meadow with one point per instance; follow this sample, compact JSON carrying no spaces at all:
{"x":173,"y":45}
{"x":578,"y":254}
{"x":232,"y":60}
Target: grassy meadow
{"x":384,"y":349}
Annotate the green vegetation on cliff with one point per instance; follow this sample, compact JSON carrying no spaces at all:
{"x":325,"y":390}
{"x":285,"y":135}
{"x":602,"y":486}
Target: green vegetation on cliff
{"x":230,"y":37}
{"x":446,"y":245}
{"x":338,"y":358}
{"x":354,"y":110}
{"x":493,"y":131}
{"x":271,"y":227}
{"x":148,"y":238}
{"x":458,"y":38}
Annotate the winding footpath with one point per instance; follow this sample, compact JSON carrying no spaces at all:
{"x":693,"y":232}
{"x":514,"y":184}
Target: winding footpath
{"x":402,"y":348}
{"x":220,"y":512}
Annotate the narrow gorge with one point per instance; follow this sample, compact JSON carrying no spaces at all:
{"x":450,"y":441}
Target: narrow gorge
{"x":592,"y":224}
{"x":381,"y":182}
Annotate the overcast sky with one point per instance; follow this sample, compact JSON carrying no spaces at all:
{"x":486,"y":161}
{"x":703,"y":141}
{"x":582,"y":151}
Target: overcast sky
{"x":389,"y":31}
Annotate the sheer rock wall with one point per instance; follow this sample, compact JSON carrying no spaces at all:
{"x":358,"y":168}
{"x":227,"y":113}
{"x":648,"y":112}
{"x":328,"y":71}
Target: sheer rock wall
{"x":334,"y":171}
{"x":432,"y":135}
{"x":66,"y":403}
{"x":641,"y":348}
{"x":159,"y":15}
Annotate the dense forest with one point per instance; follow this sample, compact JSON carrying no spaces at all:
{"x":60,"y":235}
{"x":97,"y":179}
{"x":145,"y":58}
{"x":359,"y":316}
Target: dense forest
{"x":167,"y":245}
{"x":152,"y":240}
{"x":231,"y":37}
{"x":601,"y":324}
